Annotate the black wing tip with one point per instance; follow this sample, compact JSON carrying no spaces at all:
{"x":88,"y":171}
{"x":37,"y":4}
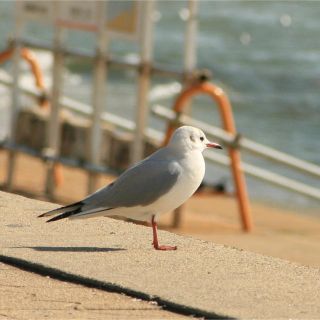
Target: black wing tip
{"x":43,"y":214}
{"x":72,"y":213}
{"x":54,"y":219}
{"x":70,"y":208}
{"x":63,"y":212}
{"x":62,"y":216}
{"x":48,"y":213}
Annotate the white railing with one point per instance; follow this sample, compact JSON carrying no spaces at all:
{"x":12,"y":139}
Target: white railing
{"x":255,"y":148}
{"x":229,"y":139}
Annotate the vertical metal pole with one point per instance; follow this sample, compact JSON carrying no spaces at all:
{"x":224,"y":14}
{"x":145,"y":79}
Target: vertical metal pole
{"x":190,"y":49}
{"x":190,"y":62}
{"x":99,"y":94}
{"x":54,"y":120}
{"x":15,"y":97}
{"x":146,"y":50}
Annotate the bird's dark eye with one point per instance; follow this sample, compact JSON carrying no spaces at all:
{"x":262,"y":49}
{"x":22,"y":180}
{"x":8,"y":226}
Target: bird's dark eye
{"x":201,"y":138}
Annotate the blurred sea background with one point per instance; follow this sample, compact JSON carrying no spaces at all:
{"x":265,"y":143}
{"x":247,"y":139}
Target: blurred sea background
{"x":264,"y":54}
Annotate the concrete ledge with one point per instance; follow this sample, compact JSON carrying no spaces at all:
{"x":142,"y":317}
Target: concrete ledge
{"x":200,"y":277}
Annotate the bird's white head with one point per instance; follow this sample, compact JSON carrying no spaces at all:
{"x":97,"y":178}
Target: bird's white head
{"x":189,"y":138}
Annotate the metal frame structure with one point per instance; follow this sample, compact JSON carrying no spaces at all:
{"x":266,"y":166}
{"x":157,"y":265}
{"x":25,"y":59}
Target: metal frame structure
{"x":164,"y":113}
{"x":145,"y":68}
{"x":228,"y":139}
{"x":254,"y":148}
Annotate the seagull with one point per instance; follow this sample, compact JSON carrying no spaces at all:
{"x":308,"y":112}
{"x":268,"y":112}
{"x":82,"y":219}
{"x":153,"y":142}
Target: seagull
{"x":158,"y":184}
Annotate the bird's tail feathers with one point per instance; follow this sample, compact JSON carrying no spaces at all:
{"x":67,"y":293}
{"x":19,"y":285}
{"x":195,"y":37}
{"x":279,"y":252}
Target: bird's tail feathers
{"x":70,"y":209}
{"x":73,"y":211}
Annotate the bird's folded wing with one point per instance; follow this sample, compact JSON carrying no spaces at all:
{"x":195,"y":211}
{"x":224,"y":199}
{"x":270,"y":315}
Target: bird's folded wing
{"x":140,"y":186}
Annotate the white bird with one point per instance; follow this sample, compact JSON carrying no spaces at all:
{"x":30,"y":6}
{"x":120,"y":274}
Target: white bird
{"x":158,"y":184}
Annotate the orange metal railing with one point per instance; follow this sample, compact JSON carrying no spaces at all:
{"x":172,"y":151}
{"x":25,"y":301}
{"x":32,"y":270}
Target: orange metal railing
{"x":225,"y":109}
{"x":28,"y":56}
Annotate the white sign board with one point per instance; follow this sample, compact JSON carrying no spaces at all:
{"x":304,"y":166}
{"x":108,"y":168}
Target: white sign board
{"x":42,"y":11}
{"x":123,"y":18}
{"x":81,"y":15}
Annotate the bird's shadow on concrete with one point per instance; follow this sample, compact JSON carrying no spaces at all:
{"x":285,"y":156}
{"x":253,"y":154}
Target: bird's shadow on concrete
{"x":74,"y":249}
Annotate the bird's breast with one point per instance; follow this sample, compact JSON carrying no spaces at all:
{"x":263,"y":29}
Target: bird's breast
{"x":192,"y":172}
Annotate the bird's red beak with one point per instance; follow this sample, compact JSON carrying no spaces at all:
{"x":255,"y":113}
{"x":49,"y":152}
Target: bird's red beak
{"x":213,"y":145}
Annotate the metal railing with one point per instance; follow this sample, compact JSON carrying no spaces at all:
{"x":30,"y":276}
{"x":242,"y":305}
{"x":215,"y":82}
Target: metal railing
{"x":239,"y":142}
{"x":254,"y":148}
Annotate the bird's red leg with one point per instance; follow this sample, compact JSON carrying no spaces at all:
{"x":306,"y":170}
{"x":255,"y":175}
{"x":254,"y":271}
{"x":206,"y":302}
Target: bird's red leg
{"x":155,"y":238}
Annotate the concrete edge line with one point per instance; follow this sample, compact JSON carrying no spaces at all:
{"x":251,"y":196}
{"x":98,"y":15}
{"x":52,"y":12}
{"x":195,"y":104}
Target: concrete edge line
{"x":107,"y":286}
